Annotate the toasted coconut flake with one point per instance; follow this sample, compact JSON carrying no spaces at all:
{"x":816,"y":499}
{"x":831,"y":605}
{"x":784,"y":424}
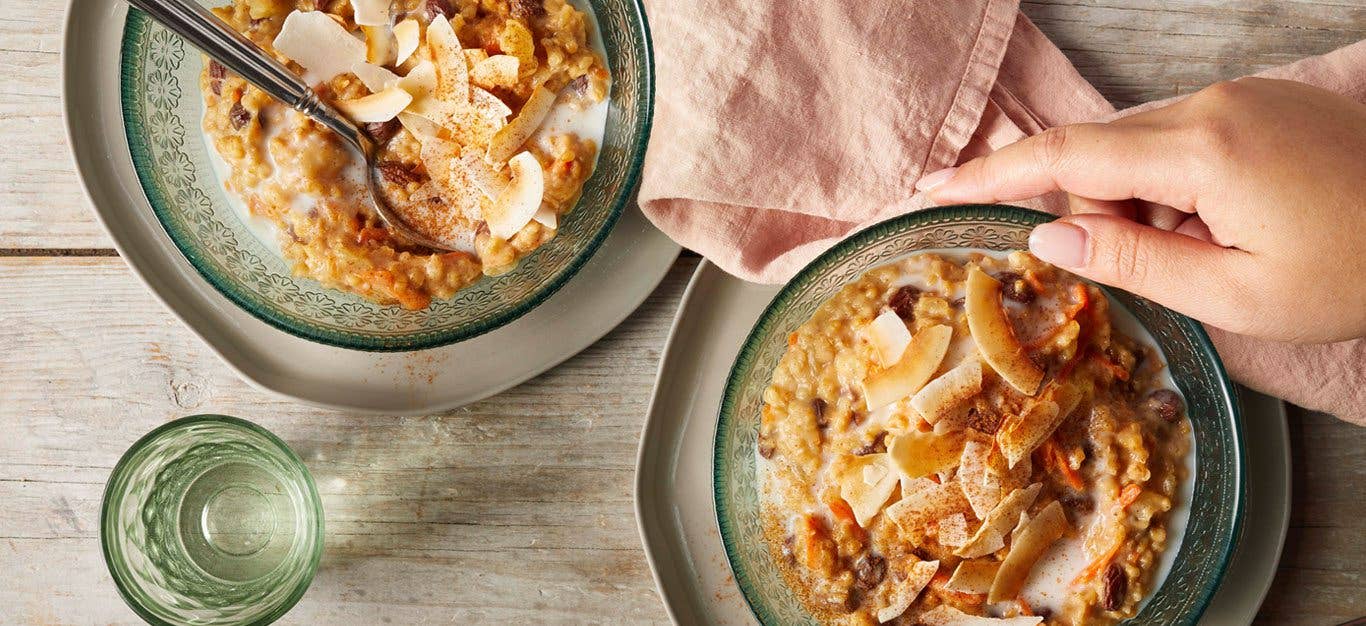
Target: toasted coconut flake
{"x":452,"y":77}
{"x":953,"y":530}
{"x":973,"y":576}
{"x":547,"y":217}
{"x":437,"y":156}
{"x":866,"y":499}
{"x":466,"y":122}
{"x":407,"y":36}
{"x":380,"y":46}
{"x":371,"y":12}
{"x":981,"y":490}
{"x":919,"y":454}
{"x":889,"y":337}
{"x":420,"y":81}
{"x":317,"y":42}
{"x":941,"y":396}
{"x":511,"y":137}
{"x":499,"y":70}
{"x":421,"y":128}
{"x":1021,"y":434}
{"x":990,"y":536}
{"x":489,"y":181}
{"x":1025,"y":549}
{"x":995,"y":336}
{"x":945,"y":615}
{"x":903,"y":593}
{"x":376,"y":107}
{"x":375,"y":78}
{"x":474,"y":55}
{"x":908,"y":375}
{"x":519,"y":200}
{"x":873,"y":473}
{"x":914,"y":511}
{"x":490,"y":106}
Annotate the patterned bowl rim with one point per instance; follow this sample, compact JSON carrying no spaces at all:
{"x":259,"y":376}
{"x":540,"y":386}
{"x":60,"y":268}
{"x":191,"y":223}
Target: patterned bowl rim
{"x":1002,"y":213}
{"x":311,"y":487}
{"x":418,"y":339}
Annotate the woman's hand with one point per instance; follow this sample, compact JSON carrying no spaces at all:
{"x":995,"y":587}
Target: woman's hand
{"x":1243,"y":206}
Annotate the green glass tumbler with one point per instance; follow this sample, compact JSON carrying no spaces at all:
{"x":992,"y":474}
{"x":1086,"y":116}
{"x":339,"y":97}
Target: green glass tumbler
{"x":211,"y":520}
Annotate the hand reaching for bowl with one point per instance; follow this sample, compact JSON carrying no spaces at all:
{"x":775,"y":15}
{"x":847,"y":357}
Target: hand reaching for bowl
{"x":1243,"y":206}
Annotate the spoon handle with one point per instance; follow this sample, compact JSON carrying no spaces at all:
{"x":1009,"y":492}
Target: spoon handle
{"x":203,"y":30}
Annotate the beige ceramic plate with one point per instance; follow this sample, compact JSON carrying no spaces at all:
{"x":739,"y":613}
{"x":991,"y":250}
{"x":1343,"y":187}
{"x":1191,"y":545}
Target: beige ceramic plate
{"x":591,"y":304}
{"x":674,"y":504}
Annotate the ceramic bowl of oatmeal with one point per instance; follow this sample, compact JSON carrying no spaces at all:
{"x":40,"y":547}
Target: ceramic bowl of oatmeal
{"x":513,"y":132}
{"x":929,"y":425}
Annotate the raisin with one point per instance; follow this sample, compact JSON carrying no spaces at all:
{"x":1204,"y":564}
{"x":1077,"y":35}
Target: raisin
{"x":398,"y":173}
{"x":903,"y":302}
{"x":1116,"y":587}
{"x":788,"y":551}
{"x":766,"y":448}
{"x":1166,"y":404}
{"x":216,"y":75}
{"x":382,"y":132}
{"x":818,"y":407}
{"x":869,"y":572}
{"x":1015,"y":287}
{"x":527,"y":9}
{"x":438,"y":7}
{"x":239,"y":116}
{"x":1079,"y":504}
{"x":878,"y":445}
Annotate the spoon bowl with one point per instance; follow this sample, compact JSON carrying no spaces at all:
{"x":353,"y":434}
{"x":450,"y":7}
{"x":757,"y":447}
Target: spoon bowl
{"x":203,"y":30}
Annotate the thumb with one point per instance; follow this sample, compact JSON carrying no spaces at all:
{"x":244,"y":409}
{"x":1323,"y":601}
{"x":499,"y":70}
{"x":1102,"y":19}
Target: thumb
{"x":1183,"y":273}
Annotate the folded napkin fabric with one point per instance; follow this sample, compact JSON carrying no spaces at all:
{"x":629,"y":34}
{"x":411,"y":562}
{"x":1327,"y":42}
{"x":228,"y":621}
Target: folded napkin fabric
{"x":783,"y":126}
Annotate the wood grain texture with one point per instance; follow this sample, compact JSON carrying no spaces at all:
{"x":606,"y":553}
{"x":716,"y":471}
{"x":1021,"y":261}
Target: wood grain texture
{"x":1137,"y":51}
{"x":517,"y":508}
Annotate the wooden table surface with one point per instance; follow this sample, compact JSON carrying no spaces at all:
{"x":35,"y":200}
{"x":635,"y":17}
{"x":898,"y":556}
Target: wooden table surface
{"x":517,"y":508}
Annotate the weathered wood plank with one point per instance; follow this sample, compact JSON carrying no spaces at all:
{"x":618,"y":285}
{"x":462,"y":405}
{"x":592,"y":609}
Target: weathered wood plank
{"x":514,"y":509}
{"x":1136,"y":51}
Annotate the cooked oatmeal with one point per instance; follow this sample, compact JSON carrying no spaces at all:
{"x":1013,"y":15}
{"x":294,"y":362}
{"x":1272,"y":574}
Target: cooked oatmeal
{"x":954,"y":436}
{"x":471,"y":169}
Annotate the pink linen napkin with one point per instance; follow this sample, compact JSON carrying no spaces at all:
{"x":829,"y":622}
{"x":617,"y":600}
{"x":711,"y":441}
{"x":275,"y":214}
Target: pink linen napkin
{"x":782,"y":126}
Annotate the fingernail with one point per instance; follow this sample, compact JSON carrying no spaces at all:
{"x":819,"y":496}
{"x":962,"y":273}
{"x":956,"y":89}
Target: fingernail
{"x":935,"y":179}
{"x":1059,"y":243}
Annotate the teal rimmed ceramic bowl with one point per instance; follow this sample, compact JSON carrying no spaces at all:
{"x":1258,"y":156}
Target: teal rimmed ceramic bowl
{"x":162,"y":108}
{"x":1216,"y":507}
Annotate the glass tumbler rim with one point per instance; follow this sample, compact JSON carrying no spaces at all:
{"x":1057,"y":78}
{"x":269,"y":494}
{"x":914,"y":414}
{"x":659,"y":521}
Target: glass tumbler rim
{"x":122,"y":465}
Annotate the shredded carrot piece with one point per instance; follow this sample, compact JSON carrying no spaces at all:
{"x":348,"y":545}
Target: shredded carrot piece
{"x":1097,"y":565}
{"x":1129,"y":495}
{"x":841,"y":510}
{"x":792,"y":339}
{"x":814,"y":533}
{"x":1054,"y":453}
{"x":1025,"y":609}
{"x":1034,"y":282}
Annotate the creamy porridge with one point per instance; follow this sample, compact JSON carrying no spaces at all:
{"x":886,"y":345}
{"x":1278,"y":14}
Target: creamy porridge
{"x":492,"y":111}
{"x":958,"y":437}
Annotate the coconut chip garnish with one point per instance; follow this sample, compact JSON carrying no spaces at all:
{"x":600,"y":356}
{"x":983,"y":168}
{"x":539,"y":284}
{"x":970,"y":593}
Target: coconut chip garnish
{"x":443,"y":100}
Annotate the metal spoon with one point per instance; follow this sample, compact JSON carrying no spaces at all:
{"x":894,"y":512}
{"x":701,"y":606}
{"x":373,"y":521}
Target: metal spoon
{"x":203,"y":30}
